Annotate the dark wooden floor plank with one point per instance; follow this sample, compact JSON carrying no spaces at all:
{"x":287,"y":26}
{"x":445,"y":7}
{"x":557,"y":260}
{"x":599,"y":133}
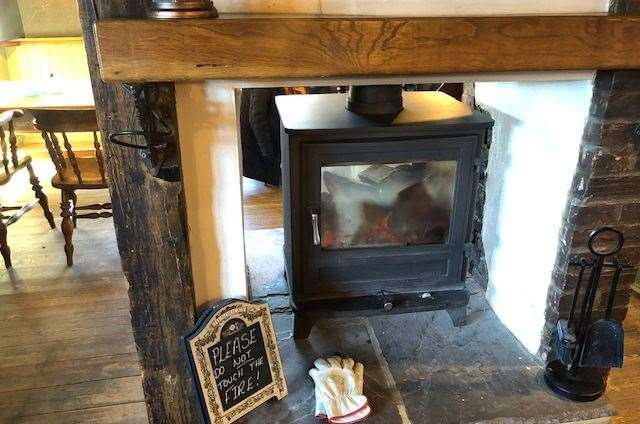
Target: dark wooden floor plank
{"x":60,"y":331}
{"x":13,"y":308}
{"x":72,"y":349}
{"x":130,"y":413}
{"x":28,"y":277}
{"x":71,"y":324}
{"x":61,"y":373}
{"x":70,"y":397}
{"x":66,"y":345}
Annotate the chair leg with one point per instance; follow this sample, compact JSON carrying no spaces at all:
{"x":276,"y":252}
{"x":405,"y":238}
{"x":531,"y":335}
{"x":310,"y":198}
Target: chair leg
{"x":67,"y":224}
{"x":4,"y":247}
{"x":42,"y":198}
{"x":74,"y":201}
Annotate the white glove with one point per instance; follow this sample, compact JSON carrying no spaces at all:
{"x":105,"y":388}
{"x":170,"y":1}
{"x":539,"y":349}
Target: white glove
{"x":339,"y":389}
{"x":320,"y":412}
{"x":353,"y":417}
{"x":365,"y":411}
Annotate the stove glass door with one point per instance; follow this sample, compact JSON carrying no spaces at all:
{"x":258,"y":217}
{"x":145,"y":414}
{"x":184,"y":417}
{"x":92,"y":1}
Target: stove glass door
{"x":386,"y":204}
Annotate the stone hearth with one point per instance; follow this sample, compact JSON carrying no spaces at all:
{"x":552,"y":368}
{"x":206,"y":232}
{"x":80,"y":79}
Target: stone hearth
{"x":418,"y":367}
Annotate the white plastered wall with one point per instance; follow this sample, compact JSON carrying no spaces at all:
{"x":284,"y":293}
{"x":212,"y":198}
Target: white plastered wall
{"x":534,"y":152}
{"x":207,"y":113}
{"x":211,"y":171}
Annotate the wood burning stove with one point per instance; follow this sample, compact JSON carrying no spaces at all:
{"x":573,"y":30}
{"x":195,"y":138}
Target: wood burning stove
{"x":378,"y":214}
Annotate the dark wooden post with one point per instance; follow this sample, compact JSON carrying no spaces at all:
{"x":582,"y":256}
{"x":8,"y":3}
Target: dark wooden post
{"x":150,"y":219}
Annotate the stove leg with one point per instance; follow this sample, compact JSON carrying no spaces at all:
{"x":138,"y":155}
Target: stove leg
{"x":458,"y":316}
{"x":301,"y":326}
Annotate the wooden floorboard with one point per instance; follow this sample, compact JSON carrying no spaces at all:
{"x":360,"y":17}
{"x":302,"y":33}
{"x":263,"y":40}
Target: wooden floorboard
{"x":40,"y":352}
{"x":106,"y":296}
{"x":623,"y":387}
{"x":70,"y":397}
{"x":60,"y":373}
{"x":60,"y":331}
{"x":262,"y":205}
{"x":130,"y":413}
{"x":67,"y":353}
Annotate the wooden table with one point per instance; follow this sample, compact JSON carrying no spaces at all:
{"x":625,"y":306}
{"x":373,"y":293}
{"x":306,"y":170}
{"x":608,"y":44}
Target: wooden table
{"x":72,"y":94}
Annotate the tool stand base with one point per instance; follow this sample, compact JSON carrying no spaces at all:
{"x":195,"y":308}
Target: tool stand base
{"x":581,"y":385}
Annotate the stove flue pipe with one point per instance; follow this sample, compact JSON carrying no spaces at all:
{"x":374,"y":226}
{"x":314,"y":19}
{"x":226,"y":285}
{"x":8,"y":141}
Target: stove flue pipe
{"x":375,"y":101}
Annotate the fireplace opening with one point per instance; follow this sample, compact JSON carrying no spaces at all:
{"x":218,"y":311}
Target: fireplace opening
{"x":378,"y":201}
{"x":524,"y":221}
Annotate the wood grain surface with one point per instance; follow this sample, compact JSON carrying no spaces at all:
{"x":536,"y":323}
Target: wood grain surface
{"x":261,"y":205}
{"x":288,"y":47}
{"x":67,"y":353}
{"x":150,"y":220}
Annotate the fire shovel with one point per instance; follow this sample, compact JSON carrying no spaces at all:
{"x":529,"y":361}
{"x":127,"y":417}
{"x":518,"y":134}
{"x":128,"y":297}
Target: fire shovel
{"x":604,"y":340}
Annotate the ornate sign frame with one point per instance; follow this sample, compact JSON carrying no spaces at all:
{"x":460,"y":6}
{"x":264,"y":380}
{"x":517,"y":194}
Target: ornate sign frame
{"x":207,"y":333}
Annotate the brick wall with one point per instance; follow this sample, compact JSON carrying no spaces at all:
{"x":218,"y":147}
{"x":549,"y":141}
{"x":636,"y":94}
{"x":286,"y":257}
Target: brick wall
{"x":478,"y":271}
{"x":606,"y":189}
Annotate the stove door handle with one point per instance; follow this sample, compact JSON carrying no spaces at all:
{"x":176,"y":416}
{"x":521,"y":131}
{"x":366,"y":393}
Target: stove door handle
{"x":316,"y":229}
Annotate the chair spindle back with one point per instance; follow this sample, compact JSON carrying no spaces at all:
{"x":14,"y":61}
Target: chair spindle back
{"x":52,"y":122}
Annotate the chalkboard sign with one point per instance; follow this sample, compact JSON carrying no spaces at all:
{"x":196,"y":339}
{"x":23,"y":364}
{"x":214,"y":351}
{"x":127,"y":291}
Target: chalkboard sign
{"x":235,"y":361}
{"x":240,"y":366}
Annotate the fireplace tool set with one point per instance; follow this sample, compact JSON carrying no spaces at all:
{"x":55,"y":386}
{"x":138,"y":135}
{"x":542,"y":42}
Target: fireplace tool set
{"x":586,"y":349}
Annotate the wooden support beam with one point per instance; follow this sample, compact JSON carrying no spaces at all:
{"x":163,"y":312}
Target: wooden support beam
{"x":296,"y":47}
{"x":150,"y":219}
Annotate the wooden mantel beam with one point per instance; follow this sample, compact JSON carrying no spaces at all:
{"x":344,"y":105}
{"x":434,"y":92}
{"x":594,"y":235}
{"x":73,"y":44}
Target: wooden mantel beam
{"x":250,"y":48}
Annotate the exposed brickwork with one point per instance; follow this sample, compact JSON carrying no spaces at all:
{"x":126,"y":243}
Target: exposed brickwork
{"x":569,"y":279}
{"x":611,"y":134}
{"x":478,"y":266}
{"x":630,"y":213}
{"x":603,"y":162}
{"x":605,"y":191}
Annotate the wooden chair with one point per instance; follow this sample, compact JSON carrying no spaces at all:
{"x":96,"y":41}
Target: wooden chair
{"x":74,"y":171}
{"x":9,"y":169}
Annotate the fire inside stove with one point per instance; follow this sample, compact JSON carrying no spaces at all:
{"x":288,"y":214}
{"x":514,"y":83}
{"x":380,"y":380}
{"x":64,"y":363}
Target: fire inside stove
{"x":392,"y":204}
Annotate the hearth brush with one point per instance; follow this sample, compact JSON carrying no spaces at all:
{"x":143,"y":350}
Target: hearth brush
{"x":577,"y":372}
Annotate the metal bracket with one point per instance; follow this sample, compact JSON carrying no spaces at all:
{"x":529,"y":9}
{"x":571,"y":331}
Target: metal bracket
{"x":155,"y":111}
